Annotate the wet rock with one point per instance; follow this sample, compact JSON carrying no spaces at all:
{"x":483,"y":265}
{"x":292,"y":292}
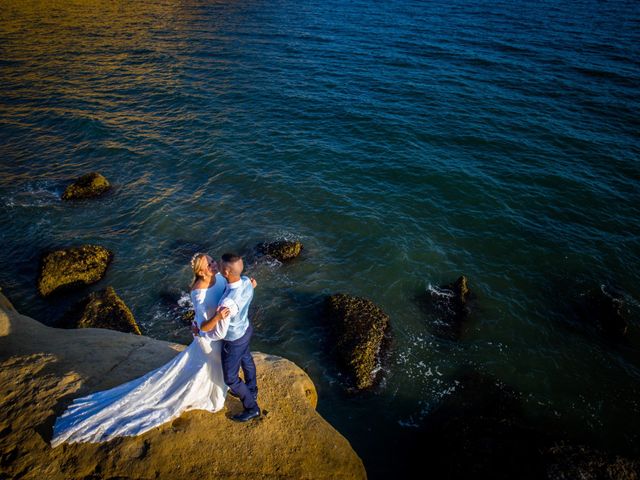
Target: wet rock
{"x":178,"y":303}
{"x":282,"y":250}
{"x":606,"y":308}
{"x":90,"y":185}
{"x":361,"y":332}
{"x":567,"y":462}
{"x":72,"y":267}
{"x":103,"y":309}
{"x":450,"y":306}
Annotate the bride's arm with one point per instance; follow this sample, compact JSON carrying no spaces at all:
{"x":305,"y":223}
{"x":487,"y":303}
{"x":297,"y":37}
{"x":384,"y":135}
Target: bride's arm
{"x":207,"y":325}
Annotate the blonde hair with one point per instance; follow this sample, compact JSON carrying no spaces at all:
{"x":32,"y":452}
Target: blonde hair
{"x":196,"y":265}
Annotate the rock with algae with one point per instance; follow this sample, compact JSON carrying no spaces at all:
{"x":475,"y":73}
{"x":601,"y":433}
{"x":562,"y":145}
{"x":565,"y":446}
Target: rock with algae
{"x":282,"y":250}
{"x":104,"y":309}
{"x":90,"y":185}
{"x":71,"y":267}
{"x":361,"y":331}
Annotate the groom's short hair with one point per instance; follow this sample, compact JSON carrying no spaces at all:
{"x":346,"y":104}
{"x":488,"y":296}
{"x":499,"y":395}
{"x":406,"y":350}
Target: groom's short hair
{"x":231,"y":258}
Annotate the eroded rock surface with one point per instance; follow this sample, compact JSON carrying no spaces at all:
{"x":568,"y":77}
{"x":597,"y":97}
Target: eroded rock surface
{"x":282,"y":250}
{"x":103,"y":309}
{"x":43,"y":369}
{"x":72,"y":267}
{"x":361,"y":332}
{"x":90,"y":185}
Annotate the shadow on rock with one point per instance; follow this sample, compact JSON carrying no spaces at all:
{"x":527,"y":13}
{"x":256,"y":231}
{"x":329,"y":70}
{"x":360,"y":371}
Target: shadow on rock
{"x":101,"y":309}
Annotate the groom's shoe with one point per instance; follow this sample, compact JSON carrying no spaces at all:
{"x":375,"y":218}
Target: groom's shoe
{"x":247,"y":415}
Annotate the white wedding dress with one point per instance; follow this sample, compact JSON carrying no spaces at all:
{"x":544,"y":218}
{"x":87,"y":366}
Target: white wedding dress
{"x":191,"y":380}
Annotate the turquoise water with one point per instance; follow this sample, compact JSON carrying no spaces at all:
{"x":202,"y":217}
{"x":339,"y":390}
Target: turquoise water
{"x":404,"y":143}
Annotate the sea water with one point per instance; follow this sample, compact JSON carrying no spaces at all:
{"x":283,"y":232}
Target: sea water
{"x":404,"y":143}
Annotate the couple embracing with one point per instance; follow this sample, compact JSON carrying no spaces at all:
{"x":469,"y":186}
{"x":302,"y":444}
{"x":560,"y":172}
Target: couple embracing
{"x":197,"y":378}
{"x":221,"y":301}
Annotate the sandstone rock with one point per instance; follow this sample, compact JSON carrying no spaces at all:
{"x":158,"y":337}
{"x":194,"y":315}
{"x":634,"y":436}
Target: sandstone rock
{"x":72,"y":267}
{"x":450,"y":304}
{"x":281,"y":250}
{"x":87,"y":186}
{"x":43,"y":369}
{"x":104,"y":309}
{"x":360,"y":335}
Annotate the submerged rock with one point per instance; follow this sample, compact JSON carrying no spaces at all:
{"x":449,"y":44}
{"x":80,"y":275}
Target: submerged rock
{"x":451,"y":306}
{"x":87,"y":186}
{"x":360,"y":331}
{"x":566,"y":462}
{"x":606,"y":308}
{"x":104,"y":309}
{"x":479,"y":431}
{"x":282,"y":250}
{"x":72,"y":267}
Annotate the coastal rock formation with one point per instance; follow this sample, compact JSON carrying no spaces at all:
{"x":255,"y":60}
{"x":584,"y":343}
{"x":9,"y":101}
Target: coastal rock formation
{"x":72,"y":267}
{"x":87,"y":186}
{"x":361,"y":331}
{"x":103,"y":309}
{"x":605,"y":307}
{"x":282,"y":250}
{"x":450,"y":304}
{"x":43,"y":369}
{"x":481,"y":430}
{"x":566,"y":462}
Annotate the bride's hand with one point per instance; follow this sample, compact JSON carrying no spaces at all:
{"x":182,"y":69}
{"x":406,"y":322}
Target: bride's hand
{"x":194,"y":329}
{"x":224,"y":312}
{"x":253,"y":282}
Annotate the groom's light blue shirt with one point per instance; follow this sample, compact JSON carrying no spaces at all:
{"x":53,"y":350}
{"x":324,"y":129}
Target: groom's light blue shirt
{"x":237,"y":297}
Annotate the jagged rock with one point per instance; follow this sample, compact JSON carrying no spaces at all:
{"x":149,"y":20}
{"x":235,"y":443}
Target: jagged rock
{"x":281,"y":250}
{"x":43,"y":369}
{"x":450,"y":304}
{"x":87,"y":186}
{"x":360,"y":331}
{"x":103,"y":309}
{"x":72,"y":267}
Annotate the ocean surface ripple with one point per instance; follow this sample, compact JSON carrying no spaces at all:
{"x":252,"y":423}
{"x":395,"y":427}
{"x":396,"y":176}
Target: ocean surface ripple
{"x":404,"y":143}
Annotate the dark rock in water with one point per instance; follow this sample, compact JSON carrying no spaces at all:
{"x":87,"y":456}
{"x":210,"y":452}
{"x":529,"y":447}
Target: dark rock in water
{"x":567,"y":462}
{"x":360,"y":331}
{"x":179,"y":305}
{"x":102,"y":309}
{"x":450,"y":305}
{"x":605,"y":307}
{"x":72,"y":267}
{"x":281,"y":250}
{"x":90,"y":185}
{"x":478,"y":431}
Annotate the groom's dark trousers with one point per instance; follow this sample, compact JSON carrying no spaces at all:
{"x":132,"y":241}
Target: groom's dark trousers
{"x":236,"y":354}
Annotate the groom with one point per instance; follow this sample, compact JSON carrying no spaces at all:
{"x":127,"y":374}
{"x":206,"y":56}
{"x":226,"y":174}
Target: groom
{"x":235,"y":349}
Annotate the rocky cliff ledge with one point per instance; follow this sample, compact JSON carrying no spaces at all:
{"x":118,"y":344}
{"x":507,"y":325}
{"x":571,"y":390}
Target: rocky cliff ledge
{"x":43,"y":369}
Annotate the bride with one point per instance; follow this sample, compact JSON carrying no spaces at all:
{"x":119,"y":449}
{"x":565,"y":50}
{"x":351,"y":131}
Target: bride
{"x":191,"y":380}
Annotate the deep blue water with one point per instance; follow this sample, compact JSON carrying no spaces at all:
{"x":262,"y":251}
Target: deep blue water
{"x":403,"y":142}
